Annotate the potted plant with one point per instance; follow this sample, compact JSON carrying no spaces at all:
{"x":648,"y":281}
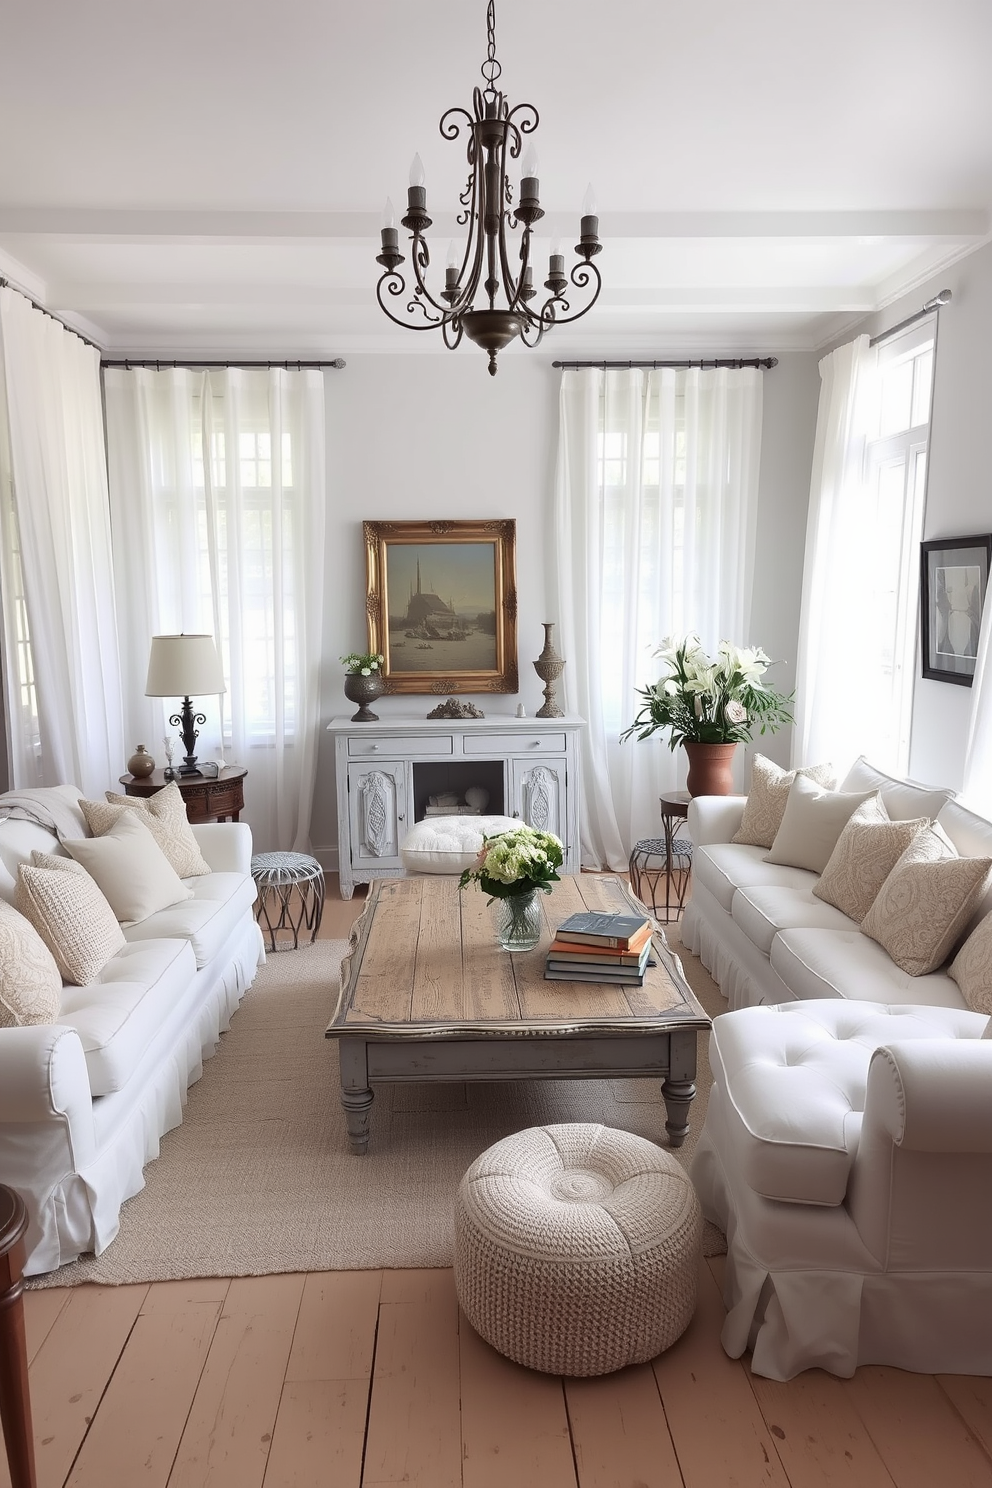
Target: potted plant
{"x":363,"y":683}
{"x":513,"y":868}
{"x":710,"y":706}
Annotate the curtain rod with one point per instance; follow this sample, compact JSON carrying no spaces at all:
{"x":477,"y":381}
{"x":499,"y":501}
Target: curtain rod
{"x":166,"y":363}
{"x":943,"y":298}
{"x":6,"y":284}
{"x":735,"y":363}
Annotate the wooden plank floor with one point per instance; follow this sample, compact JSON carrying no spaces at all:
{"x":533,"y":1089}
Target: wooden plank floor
{"x":367,"y":1379}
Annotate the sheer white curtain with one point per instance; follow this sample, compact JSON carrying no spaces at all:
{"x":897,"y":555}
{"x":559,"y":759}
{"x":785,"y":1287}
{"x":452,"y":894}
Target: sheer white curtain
{"x":217,"y":494}
{"x":857,"y":634}
{"x":976,"y":790}
{"x":654,"y":531}
{"x":60,"y":666}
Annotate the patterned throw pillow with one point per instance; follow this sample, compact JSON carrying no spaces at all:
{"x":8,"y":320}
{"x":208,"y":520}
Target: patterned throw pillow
{"x":73,"y":919}
{"x":766,"y":800}
{"x":926,"y":902}
{"x":30,"y":982}
{"x":867,"y":851}
{"x":972,"y":969}
{"x":164,"y":814}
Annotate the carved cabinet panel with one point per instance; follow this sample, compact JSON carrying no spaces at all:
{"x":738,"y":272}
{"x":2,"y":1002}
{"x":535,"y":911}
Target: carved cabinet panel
{"x":539,"y":794}
{"x":377,"y":812}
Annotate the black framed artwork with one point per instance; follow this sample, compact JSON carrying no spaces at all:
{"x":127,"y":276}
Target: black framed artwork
{"x":954,"y":576}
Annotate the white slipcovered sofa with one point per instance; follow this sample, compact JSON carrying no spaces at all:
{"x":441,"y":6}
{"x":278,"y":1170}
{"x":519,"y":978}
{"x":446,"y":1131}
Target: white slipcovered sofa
{"x":767,"y":938}
{"x":847,"y":1146}
{"x":86,"y":1096}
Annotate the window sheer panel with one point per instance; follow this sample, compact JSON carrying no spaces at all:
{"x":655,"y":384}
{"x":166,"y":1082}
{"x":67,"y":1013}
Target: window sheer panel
{"x":237,"y":533}
{"x":60,"y":636}
{"x":655,"y":491}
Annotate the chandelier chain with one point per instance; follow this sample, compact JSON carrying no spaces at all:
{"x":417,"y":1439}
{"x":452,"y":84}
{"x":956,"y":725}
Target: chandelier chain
{"x":491,"y":68}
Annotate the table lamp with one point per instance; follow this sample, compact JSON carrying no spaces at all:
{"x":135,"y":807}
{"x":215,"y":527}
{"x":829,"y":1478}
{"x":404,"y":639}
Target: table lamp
{"x":187,"y":666}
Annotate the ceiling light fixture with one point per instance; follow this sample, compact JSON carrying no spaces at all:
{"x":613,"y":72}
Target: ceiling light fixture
{"x":494,"y":134}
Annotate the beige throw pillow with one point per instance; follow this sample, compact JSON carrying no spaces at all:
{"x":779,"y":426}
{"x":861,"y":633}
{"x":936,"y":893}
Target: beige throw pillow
{"x":30,"y":981}
{"x":972,"y":969}
{"x":867,"y":851}
{"x":164,"y":814}
{"x":926,"y":902}
{"x":811,"y":824}
{"x":131,"y":869}
{"x":72,"y":917}
{"x":765,"y":804}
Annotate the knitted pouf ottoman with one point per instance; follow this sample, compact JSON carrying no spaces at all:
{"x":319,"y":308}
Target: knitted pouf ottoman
{"x":576,"y":1248}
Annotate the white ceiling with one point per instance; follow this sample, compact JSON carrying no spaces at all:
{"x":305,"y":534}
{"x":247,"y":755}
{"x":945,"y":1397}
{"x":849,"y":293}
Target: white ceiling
{"x":207,"y":177}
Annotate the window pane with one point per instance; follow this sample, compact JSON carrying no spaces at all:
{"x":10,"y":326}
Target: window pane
{"x":923,"y":376}
{"x":896,"y":401}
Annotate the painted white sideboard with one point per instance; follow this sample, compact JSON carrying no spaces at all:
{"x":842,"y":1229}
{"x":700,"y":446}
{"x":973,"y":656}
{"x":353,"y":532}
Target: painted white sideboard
{"x":387,"y":771}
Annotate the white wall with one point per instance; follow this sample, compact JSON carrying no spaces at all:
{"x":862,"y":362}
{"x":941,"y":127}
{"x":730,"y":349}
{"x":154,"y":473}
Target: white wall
{"x":424,"y":436}
{"x":959,"y":481}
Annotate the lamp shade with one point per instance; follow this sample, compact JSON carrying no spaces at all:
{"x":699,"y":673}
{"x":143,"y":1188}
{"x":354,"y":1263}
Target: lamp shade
{"x":184,"y":666}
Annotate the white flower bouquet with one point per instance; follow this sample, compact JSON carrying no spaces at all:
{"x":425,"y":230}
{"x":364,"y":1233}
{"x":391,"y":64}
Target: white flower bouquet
{"x":705,"y":701}
{"x":514,"y":862}
{"x":361,"y":666}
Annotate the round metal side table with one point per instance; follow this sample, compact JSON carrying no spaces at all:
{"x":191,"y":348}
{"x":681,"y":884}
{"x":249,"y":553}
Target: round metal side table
{"x":668,"y":857}
{"x":290,"y":897}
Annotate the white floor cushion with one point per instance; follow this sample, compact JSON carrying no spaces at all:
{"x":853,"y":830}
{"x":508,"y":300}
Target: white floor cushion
{"x":449,"y":844}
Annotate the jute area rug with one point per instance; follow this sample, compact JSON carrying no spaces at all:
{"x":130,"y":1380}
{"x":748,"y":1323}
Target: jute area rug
{"x":258,"y":1178}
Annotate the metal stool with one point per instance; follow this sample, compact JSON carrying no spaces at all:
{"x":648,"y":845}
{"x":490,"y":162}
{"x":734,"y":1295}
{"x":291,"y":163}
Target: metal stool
{"x":660,"y":857}
{"x":280,"y":877}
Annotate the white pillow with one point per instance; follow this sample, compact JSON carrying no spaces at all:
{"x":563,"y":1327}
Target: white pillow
{"x":131,"y":869}
{"x":923,"y":907}
{"x":902,"y":799}
{"x":811,"y":824}
{"x":164,"y":814}
{"x":766,"y":798}
{"x":449,"y":844}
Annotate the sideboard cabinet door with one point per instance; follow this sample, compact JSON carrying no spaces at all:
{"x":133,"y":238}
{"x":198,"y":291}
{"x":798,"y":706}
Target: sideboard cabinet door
{"x":377,"y":813}
{"x":539,"y":794}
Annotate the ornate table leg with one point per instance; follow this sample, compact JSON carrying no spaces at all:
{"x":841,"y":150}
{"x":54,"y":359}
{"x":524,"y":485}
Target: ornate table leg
{"x":356,"y":1093}
{"x":15,"y":1402}
{"x":678,"y":1086}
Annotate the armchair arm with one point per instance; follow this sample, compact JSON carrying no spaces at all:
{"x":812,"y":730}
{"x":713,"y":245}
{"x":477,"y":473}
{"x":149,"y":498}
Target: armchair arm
{"x":43,"y":1078}
{"x":226,"y":846}
{"x":933,"y":1095}
{"x":714,"y":818}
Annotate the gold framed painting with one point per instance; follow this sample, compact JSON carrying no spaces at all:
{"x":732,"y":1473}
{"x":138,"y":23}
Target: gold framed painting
{"x":441,"y":601}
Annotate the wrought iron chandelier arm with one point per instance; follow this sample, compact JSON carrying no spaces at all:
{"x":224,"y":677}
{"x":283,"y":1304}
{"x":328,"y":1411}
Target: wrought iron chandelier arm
{"x":394,"y":284}
{"x":582,"y":275}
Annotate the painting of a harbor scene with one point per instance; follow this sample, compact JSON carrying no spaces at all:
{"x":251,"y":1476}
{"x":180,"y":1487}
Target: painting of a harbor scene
{"x":442,"y":607}
{"x":442,"y":604}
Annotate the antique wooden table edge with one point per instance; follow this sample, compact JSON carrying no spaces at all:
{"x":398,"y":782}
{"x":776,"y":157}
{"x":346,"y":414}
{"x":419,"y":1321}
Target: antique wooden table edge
{"x":15,"y":1401}
{"x":221,"y":798}
{"x":386,"y":1049}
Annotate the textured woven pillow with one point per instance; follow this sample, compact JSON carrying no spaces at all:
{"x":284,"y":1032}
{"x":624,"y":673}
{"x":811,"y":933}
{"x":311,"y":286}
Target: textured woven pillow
{"x":30,"y":981}
{"x":926,"y":902}
{"x":811,"y":823}
{"x":972,"y":969}
{"x":867,"y":851}
{"x":164,"y":814}
{"x":765,"y":804}
{"x":131,"y":869}
{"x":72,"y":917}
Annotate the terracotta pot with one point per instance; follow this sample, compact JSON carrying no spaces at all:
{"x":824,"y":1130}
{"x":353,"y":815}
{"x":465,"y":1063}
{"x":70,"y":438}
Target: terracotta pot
{"x":711,"y":769}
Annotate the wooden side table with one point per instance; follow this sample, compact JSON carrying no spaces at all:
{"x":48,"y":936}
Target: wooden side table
{"x":206,"y":800}
{"x":15,"y":1402}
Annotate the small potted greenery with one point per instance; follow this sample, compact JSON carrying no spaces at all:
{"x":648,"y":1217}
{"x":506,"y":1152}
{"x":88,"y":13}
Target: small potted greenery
{"x":363,"y":683}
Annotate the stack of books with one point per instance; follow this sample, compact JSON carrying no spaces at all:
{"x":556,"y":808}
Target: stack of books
{"x":592,"y":947}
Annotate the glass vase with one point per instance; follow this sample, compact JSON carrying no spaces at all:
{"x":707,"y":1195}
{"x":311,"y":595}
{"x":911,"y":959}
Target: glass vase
{"x":518,"y":920}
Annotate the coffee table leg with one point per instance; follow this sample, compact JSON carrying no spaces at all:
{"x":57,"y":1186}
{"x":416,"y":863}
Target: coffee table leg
{"x":356,"y":1093}
{"x":678,"y":1086}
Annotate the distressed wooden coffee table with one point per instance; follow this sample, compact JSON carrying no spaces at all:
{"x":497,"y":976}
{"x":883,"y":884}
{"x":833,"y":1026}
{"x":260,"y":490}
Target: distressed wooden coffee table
{"x":427,"y":995}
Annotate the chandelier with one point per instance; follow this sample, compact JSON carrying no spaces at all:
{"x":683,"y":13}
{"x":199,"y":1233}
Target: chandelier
{"x":467,"y":305}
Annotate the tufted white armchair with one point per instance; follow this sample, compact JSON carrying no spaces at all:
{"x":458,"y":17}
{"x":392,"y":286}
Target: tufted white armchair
{"x":847,"y":1155}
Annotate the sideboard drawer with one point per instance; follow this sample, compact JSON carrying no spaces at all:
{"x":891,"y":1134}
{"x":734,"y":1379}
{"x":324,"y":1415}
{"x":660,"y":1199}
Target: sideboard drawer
{"x":491,"y":744}
{"x":400,"y":746}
